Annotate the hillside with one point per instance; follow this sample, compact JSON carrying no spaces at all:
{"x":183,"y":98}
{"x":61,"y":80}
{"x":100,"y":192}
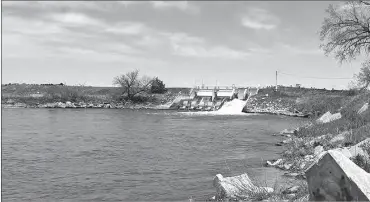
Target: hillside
{"x":304,"y":100}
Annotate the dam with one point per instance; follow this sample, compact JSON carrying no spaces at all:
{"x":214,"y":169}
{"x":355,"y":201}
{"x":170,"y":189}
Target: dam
{"x":212,"y":98}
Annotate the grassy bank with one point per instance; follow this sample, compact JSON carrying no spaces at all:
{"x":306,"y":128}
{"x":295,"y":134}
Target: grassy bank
{"x":33,"y":95}
{"x":303,"y":146}
{"x":303,"y":100}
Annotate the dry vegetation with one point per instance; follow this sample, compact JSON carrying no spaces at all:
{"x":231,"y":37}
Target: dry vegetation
{"x":39,"y":94}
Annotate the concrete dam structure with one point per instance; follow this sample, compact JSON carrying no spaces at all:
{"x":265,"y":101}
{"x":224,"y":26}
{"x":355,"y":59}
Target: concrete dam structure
{"x":211,"y":98}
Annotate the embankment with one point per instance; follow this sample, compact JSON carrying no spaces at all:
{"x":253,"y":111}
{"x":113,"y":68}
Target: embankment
{"x":55,"y":96}
{"x":298,"y":102}
{"x":343,"y":126}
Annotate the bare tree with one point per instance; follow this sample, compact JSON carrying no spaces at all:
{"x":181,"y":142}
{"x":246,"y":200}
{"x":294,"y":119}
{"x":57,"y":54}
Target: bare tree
{"x":346,"y":31}
{"x":363,"y":77}
{"x":132,"y":84}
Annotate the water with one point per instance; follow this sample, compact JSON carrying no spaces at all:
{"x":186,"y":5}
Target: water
{"x":127,"y":155}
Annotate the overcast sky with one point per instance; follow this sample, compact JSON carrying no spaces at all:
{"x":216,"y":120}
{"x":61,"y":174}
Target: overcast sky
{"x":240,"y":43}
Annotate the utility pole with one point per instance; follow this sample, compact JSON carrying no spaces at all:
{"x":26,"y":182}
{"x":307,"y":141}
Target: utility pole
{"x":276,"y":87}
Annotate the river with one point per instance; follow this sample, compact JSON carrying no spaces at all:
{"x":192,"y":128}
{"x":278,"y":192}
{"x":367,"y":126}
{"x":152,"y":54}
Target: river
{"x":131,"y":155}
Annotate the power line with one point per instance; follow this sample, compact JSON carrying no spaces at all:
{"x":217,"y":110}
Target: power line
{"x":312,"y":77}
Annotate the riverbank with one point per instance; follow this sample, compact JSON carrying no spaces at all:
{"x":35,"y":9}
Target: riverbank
{"x":288,"y":101}
{"x":73,"y":105}
{"x":345,"y":127}
{"x":40,"y":96}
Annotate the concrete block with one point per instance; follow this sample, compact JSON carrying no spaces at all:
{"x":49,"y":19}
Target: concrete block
{"x":334,"y":177}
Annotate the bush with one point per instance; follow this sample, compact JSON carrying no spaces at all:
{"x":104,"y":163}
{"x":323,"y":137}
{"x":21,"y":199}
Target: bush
{"x":321,"y":103}
{"x":362,"y":162}
{"x":158,"y":86}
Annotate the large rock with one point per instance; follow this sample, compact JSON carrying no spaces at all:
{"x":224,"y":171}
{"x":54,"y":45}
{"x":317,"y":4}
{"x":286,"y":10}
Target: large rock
{"x":61,"y":105}
{"x":20,"y":105}
{"x":70,"y":105}
{"x":351,"y":152}
{"x":286,"y":131}
{"x":334,"y":177}
{"x":276,"y":163}
{"x":328,"y":117}
{"x":291,"y":190}
{"x":51,"y":105}
{"x":10,"y":101}
{"x":339,"y":138}
{"x":318,"y":150}
{"x":363,"y":108}
{"x":237,"y":187}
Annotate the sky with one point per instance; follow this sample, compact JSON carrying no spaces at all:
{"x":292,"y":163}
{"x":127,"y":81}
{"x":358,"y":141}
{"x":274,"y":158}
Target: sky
{"x":182,"y":43}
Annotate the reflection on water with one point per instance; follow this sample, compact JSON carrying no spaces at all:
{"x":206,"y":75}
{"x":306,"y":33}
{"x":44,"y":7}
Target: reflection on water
{"x":125,"y":155}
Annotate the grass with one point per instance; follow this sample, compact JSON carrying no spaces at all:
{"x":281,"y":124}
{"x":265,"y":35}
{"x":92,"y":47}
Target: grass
{"x":25,"y":93}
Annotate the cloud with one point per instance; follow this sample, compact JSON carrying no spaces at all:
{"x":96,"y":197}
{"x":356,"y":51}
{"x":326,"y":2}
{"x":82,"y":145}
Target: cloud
{"x":129,"y":28}
{"x":56,"y":40}
{"x":75,"y":19}
{"x":189,"y":46}
{"x":181,"y":5}
{"x":258,"y":19}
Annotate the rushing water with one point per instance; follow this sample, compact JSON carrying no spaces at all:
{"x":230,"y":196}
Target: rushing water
{"x":127,"y":155}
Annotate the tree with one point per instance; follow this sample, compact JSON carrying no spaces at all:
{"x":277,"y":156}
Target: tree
{"x":346,"y":31}
{"x":363,"y":77}
{"x":132,"y":84}
{"x":158,"y":86}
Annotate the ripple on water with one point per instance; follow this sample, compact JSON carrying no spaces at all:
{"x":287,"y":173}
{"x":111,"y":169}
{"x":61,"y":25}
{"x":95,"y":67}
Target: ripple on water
{"x":123,"y":155}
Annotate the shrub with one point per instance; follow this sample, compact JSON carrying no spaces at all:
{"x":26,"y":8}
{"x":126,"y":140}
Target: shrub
{"x":158,"y":86}
{"x":361,"y":162}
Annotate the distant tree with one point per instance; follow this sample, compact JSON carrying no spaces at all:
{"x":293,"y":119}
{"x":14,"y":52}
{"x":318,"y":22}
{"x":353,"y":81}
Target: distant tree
{"x":346,"y":31}
{"x":363,"y":77}
{"x":132,"y":84}
{"x":158,"y":86}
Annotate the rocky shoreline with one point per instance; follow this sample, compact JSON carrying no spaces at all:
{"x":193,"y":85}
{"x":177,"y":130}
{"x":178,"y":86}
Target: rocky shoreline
{"x":82,"y":105}
{"x":301,"y":153}
{"x":135,"y":106}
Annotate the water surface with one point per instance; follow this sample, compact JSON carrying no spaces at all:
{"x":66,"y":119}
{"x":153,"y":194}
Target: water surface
{"x":127,"y":155}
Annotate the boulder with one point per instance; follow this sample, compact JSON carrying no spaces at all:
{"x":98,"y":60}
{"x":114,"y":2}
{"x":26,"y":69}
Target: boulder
{"x":277,"y":162}
{"x":61,"y":105}
{"x":295,"y":175}
{"x":351,"y":152}
{"x":328,"y":117}
{"x":291,"y":190}
{"x":51,"y":105}
{"x":318,"y":150}
{"x":363,"y":108}
{"x":286,"y":131}
{"x":70,"y":105}
{"x":343,"y":179}
{"x":10,"y":101}
{"x":20,"y":105}
{"x":237,"y":187}
{"x":339,"y":138}
{"x":287,"y":166}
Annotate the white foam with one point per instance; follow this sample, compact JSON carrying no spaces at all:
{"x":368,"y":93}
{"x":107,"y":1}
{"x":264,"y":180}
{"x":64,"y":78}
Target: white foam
{"x":234,"y":107}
